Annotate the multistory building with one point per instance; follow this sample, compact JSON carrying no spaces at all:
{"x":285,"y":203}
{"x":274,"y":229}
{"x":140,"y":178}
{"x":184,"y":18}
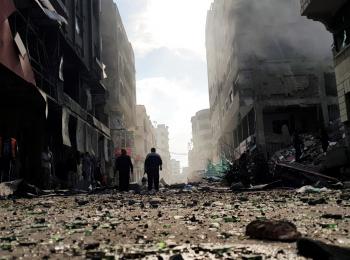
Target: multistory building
{"x":201,"y":151}
{"x":118,"y":57}
{"x":175,"y":167}
{"x":162,"y":139}
{"x":52,"y":95}
{"x":267,"y":75}
{"x":145,"y":140}
{"x":335,"y":15}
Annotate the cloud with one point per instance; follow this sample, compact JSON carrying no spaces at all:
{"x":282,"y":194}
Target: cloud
{"x":173,"y":64}
{"x":168,"y":37}
{"x":172,"y":102}
{"x":176,"y":24}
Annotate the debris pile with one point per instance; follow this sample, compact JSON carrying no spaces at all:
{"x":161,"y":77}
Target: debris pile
{"x":312,"y":152}
{"x":312,"y":167}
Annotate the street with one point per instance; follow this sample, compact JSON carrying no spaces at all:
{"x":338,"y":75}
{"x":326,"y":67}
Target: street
{"x":203,"y":222}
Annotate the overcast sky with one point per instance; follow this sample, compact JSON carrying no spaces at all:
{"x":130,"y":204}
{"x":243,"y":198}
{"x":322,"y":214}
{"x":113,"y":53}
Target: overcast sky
{"x":168,"y":37}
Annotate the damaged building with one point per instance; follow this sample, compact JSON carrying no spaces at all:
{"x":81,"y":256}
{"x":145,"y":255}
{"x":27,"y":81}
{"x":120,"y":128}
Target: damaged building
{"x":335,"y":16}
{"x":51,"y":94}
{"x":145,"y":140}
{"x":162,"y":146}
{"x":201,"y":151}
{"x":118,"y":57}
{"x":267,"y":75}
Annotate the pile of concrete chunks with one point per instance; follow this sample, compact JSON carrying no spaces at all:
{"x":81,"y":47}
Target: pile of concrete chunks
{"x":317,"y":168}
{"x":329,"y":168}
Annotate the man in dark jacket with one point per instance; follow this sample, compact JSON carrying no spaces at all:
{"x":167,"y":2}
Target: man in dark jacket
{"x":124,"y":166}
{"x":153,"y":164}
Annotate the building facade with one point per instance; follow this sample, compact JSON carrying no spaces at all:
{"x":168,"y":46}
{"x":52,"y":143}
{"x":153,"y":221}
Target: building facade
{"x":145,"y":140}
{"x":335,"y":15}
{"x":201,"y":148}
{"x":162,"y":139}
{"x":175,"y":167}
{"x":118,"y":57}
{"x":51,"y":68}
{"x":266,"y":77}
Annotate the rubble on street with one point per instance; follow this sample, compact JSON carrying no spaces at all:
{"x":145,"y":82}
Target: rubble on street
{"x":201,"y":222}
{"x":315,"y":167}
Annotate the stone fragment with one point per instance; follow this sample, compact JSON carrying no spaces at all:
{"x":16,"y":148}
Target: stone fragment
{"x":318,"y":250}
{"x":81,"y":202}
{"x":91,"y":246}
{"x":315,"y":202}
{"x":176,"y":257}
{"x":275,"y":230}
{"x":333,"y":216}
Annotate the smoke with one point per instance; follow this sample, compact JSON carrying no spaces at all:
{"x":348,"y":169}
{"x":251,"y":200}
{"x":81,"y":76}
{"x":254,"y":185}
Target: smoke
{"x":276,"y":29}
{"x":272,"y":29}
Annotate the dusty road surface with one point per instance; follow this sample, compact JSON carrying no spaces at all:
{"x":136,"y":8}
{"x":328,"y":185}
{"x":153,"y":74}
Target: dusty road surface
{"x":174,"y":224}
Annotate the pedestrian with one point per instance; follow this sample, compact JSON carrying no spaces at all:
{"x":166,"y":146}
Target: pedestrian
{"x":297,"y":144}
{"x":46,"y":164}
{"x":93,"y":170}
{"x":98,"y":173}
{"x":9,"y":153}
{"x":124,"y":167}
{"x":72,"y":166}
{"x":79,"y":180}
{"x":153,"y":164}
{"x":324,"y":139}
{"x":87,"y":168}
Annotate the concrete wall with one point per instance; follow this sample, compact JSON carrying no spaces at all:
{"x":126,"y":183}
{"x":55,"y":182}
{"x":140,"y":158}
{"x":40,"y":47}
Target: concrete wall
{"x":202,"y":143}
{"x":145,"y":139}
{"x":162,"y":139}
{"x":118,"y":56}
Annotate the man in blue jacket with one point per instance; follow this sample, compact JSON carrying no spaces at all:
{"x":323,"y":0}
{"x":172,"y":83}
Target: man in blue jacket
{"x":153,"y":164}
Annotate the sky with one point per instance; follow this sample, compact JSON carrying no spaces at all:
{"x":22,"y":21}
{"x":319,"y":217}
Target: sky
{"x":168,"y":37}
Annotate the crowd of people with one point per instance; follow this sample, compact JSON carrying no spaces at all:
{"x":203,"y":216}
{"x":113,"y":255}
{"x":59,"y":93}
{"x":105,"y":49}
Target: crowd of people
{"x":83,"y":170}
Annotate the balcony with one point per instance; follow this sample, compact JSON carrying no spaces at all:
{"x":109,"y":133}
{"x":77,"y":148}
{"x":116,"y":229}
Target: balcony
{"x":319,"y":9}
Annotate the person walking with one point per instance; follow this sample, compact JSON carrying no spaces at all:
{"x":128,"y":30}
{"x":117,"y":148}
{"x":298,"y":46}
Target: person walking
{"x":124,"y":166}
{"x":153,"y":164}
{"x":9,"y":153}
{"x":46,"y":164}
{"x":87,"y":167}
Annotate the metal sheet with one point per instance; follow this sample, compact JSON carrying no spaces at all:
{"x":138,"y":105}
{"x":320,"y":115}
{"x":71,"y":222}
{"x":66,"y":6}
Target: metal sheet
{"x":65,"y":130}
{"x":50,"y":11}
{"x":9,"y":56}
